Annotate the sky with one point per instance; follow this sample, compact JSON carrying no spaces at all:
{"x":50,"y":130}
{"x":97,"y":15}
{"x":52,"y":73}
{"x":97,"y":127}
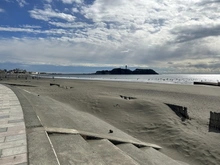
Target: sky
{"x":83,"y":35}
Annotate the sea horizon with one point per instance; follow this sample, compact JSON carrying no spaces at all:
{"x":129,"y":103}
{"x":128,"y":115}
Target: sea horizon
{"x":188,"y":79}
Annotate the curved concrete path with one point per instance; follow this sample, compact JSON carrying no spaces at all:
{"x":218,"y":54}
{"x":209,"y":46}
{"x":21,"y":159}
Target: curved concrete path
{"x":13,"y":141}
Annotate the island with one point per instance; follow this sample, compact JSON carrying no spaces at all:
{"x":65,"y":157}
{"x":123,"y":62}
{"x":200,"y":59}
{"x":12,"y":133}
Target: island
{"x":127,"y":71}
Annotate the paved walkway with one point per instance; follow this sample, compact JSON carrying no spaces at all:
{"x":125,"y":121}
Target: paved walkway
{"x":13,"y":141}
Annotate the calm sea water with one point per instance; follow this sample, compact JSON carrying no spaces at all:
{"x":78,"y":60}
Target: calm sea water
{"x":162,"y":78}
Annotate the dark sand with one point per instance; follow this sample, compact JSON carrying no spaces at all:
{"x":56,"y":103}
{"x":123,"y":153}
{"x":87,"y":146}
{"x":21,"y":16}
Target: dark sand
{"x":146,"y":118}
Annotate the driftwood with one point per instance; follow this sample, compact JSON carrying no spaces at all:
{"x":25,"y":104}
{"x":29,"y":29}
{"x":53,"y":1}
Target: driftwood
{"x":53,"y":84}
{"x":207,"y":83}
{"x":61,"y":86}
{"x":127,"y":97}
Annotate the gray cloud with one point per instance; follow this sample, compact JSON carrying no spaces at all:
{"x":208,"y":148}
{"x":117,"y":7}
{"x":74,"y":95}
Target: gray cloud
{"x":207,"y":2}
{"x":188,"y":33}
{"x":213,"y":66}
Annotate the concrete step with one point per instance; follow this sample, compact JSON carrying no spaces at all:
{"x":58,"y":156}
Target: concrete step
{"x":136,"y":154}
{"x":160,"y":158}
{"x":111,"y":154}
{"x":147,"y":155}
{"x":74,"y":150}
{"x":40,"y":151}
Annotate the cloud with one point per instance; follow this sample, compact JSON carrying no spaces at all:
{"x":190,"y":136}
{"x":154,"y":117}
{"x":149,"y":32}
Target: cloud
{"x":51,"y":51}
{"x":86,"y":51}
{"x":48,"y":13}
{"x":206,"y":65}
{"x":48,"y":1}
{"x":12,"y":29}
{"x":31,"y":26}
{"x":193,"y":32}
{"x":125,"y":51}
{"x":2,"y":10}
{"x":36,"y":30}
{"x":70,"y":25}
{"x":21,"y":3}
{"x":207,"y":2}
{"x":75,"y":10}
{"x":72,"y":1}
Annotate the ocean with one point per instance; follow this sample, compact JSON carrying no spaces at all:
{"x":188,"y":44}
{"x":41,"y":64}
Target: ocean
{"x":162,"y":78}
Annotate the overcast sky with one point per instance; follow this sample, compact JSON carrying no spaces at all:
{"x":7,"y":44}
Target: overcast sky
{"x":169,"y":36}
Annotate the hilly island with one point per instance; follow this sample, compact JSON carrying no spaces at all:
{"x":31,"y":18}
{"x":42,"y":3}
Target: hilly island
{"x":127,"y":71}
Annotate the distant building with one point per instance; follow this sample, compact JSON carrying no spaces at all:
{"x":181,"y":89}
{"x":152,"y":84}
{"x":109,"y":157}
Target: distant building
{"x":17,"y":71}
{"x":34,"y":73}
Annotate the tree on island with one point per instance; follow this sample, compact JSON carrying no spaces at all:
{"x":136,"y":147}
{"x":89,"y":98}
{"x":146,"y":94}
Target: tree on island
{"x":127,"y":71}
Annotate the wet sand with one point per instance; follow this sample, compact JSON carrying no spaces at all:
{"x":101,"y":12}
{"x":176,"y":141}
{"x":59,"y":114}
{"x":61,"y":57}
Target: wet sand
{"x":145,"y":116}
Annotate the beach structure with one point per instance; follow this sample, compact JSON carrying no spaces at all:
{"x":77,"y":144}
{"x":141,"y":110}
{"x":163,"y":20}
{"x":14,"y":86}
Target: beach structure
{"x":179,"y":110}
{"x":214,"y":120}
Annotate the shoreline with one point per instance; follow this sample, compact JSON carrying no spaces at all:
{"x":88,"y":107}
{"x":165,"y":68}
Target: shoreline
{"x":146,"y":118}
{"x":179,"y":79}
{"x":135,"y":78}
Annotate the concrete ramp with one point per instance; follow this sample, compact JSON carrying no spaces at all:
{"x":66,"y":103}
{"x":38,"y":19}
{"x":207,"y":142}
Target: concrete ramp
{"x":55,"y":114}
{"x":110,"y":153}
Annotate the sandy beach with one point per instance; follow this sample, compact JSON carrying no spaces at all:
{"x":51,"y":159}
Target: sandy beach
{"x":146,"y":116}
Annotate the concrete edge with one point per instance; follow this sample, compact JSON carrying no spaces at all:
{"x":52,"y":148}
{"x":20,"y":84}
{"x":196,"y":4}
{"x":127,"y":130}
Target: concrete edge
{"x":99,"y":136}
